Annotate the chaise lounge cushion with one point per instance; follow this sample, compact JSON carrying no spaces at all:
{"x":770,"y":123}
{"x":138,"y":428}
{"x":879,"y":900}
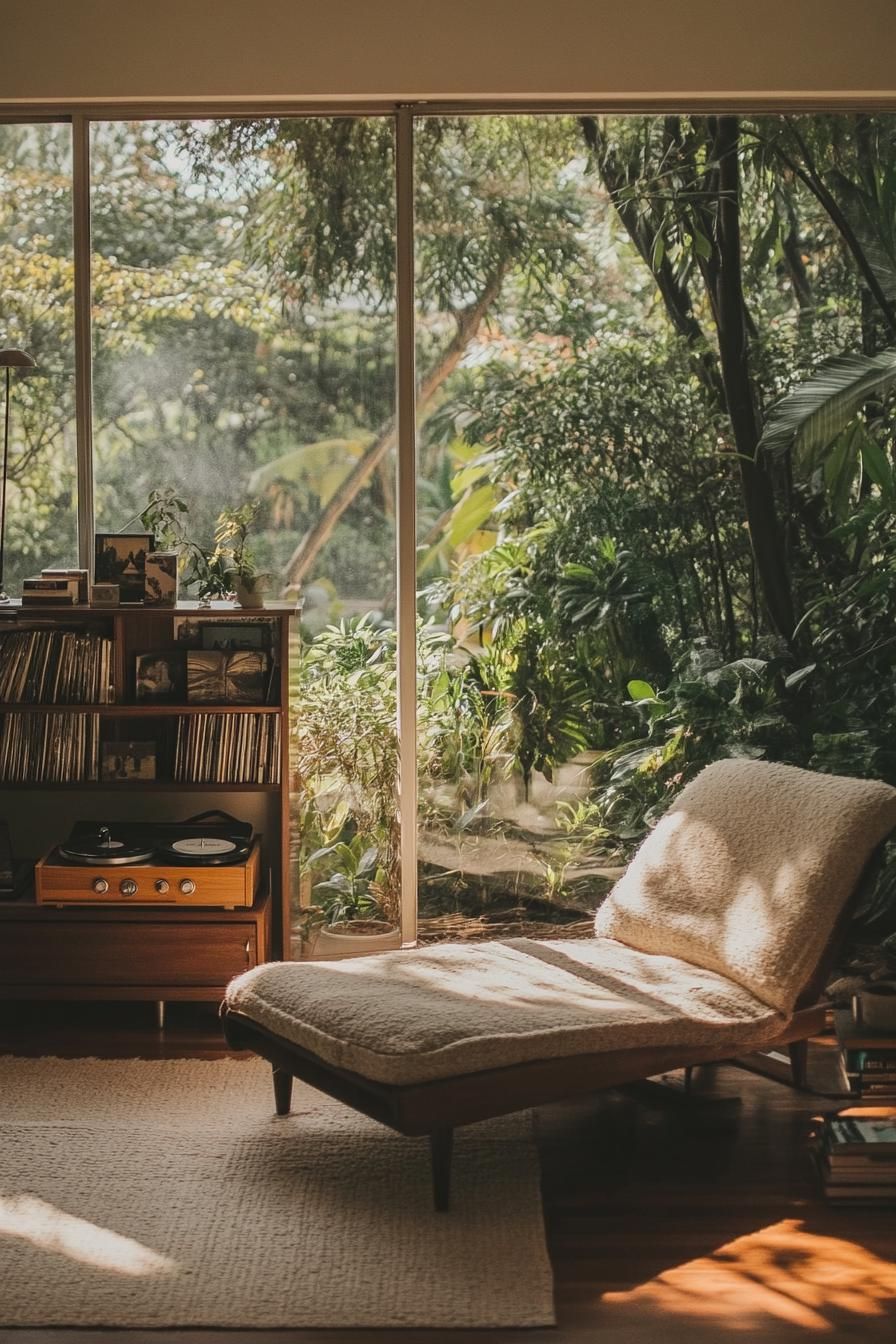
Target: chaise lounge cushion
{"x":413,"y":1017}
{"x":748,"y":871}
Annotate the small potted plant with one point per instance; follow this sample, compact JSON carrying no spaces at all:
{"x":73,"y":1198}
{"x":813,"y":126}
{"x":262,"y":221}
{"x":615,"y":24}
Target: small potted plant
{"x":231,"y":545}
{"x":350,"y":898}
{"x":167,"y":516}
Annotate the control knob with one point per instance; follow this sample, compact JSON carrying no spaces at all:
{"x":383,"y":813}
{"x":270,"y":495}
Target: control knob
{"x":160,"y":885}
{"x":127,"y":886}
{"x":187,"y":886}
{"x":100,"y":886}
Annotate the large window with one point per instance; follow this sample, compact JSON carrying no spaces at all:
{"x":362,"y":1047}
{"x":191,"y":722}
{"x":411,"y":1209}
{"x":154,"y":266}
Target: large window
{"x":634,"y":553}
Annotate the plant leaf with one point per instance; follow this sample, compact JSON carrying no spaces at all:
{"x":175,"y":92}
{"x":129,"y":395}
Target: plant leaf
{"x":814,"y":412}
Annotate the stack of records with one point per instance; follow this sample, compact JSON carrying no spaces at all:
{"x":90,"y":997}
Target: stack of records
{"x":858,"y":1156}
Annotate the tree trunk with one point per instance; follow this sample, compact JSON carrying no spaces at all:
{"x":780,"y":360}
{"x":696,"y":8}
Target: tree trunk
{"x":468,"y":323}
{"x":765,"y":533}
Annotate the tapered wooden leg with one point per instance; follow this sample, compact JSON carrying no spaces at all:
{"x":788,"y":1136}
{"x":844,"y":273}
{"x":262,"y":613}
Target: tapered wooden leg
{"x":440,"y":1141}
{"x":799,"y":1061}
{"x":282,"y":1091}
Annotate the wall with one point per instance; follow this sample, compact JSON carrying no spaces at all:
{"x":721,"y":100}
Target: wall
{"x":69,"y":50}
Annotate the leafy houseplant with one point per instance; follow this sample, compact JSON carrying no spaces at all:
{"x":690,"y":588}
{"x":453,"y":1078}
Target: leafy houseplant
{"x":232,"y":549}
{"x":167,"y":516}
{"x":218,"y":573}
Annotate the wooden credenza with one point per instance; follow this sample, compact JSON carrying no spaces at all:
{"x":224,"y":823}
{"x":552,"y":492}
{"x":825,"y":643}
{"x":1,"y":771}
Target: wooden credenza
{"x":121,"y":952}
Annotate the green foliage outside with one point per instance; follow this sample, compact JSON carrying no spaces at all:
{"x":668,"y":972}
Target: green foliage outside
{"x":657,"y":491}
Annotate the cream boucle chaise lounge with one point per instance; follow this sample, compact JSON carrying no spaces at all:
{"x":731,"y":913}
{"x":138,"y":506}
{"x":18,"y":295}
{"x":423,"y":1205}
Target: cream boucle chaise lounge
{"x":716,"y":942}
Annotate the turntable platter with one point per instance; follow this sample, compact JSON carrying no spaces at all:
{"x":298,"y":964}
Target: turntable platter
{"x":203,"y":847}
{"x":104,"y":851}
{"x":204,"y":850}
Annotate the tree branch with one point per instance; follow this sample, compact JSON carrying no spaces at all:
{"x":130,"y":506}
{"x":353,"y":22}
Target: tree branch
{"x":468,"y":323}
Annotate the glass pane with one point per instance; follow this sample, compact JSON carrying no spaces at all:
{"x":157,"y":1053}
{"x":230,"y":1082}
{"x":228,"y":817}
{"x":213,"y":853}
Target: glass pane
{"x":507,"y":268}
{"x":37,"y":315}
{"x":244,"y":352}
{"x":636,"y":558}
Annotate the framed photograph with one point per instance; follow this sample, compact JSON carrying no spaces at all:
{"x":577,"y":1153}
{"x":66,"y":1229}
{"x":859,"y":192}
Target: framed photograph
{"x":161,"y":579}
{"x":161,"y":678}
{"x":128,"y":760}
{"x":104,"y":595}
{"x":218,"y":678}
{"x":228,"y":636}
{"x":120,"y":557}
{"x":188,"y":631}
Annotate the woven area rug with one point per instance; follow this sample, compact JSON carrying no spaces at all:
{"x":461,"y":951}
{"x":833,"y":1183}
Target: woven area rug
{"x":167,"y":1193}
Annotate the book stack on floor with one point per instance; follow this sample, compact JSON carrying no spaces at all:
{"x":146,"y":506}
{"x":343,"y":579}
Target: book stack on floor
{"x":869,"y":1059}
{"x":858,"y":1156}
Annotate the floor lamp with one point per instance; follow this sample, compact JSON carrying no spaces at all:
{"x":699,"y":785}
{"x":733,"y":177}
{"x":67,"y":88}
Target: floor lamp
{"x":9,"y":360}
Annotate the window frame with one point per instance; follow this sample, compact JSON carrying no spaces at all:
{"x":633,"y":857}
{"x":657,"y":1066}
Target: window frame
{"x":403,"y":117}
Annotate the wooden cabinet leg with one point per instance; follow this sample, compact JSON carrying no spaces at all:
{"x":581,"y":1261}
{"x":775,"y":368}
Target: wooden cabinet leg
{"x":440,"y":1143}
{"x":282,"y":1091}
{"x":799,"y":1061}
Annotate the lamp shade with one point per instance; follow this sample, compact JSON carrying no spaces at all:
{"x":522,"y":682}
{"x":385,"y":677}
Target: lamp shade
{"x":16,"y":359}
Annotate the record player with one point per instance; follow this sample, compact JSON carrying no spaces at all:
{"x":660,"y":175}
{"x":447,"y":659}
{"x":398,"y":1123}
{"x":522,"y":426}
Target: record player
{"x":210,"y":860}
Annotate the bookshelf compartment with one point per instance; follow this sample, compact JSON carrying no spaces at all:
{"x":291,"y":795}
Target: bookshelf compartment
{"x":233,"y":755}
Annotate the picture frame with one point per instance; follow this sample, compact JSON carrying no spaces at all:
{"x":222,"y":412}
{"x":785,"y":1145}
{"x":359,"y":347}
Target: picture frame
{"x":187,"y":631}
{"x":120,"y":557}
{"x":229,"y":636}
{"x":127,"y":760}
{"x":239,"y":677}
{"x":160,"y":678}
{"x":161,"y":579}
{"x":104,"y":595}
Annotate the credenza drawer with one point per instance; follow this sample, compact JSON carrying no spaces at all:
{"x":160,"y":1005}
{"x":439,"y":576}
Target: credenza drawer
{"x":162,"y":950}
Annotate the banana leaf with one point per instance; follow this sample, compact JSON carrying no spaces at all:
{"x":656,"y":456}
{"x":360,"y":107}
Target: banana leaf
{"x":816,"y":411}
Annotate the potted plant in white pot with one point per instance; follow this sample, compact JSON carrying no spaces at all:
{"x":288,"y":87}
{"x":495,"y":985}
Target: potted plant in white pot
{"x":351,"y":900}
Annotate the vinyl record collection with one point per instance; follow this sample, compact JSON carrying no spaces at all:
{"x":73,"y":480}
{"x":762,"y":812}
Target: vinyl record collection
{"x":50,"y":748}
{"x":55,"y":667}
{"x":228,"y":748}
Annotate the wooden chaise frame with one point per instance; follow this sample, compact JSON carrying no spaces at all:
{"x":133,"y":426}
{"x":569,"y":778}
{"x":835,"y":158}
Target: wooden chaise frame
{"x":437,"y":1108}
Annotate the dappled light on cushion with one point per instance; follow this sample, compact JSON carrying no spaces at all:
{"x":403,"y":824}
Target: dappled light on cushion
{"x":748,"y":871}
{"x":52,"y":1229}
{"x":404,"y":1017}
{"x":780,"y":1273}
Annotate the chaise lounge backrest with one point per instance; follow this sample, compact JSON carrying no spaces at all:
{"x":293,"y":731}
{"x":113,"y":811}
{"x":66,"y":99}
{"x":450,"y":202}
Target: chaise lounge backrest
{"x":748,"y":872}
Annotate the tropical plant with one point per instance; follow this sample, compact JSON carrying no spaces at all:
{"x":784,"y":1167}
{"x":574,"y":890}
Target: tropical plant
{"x":350,"y":890}
{"x":346,"y":763}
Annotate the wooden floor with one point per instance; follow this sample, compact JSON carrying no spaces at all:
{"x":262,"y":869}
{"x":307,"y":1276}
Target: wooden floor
{"x":668,"y":1220}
